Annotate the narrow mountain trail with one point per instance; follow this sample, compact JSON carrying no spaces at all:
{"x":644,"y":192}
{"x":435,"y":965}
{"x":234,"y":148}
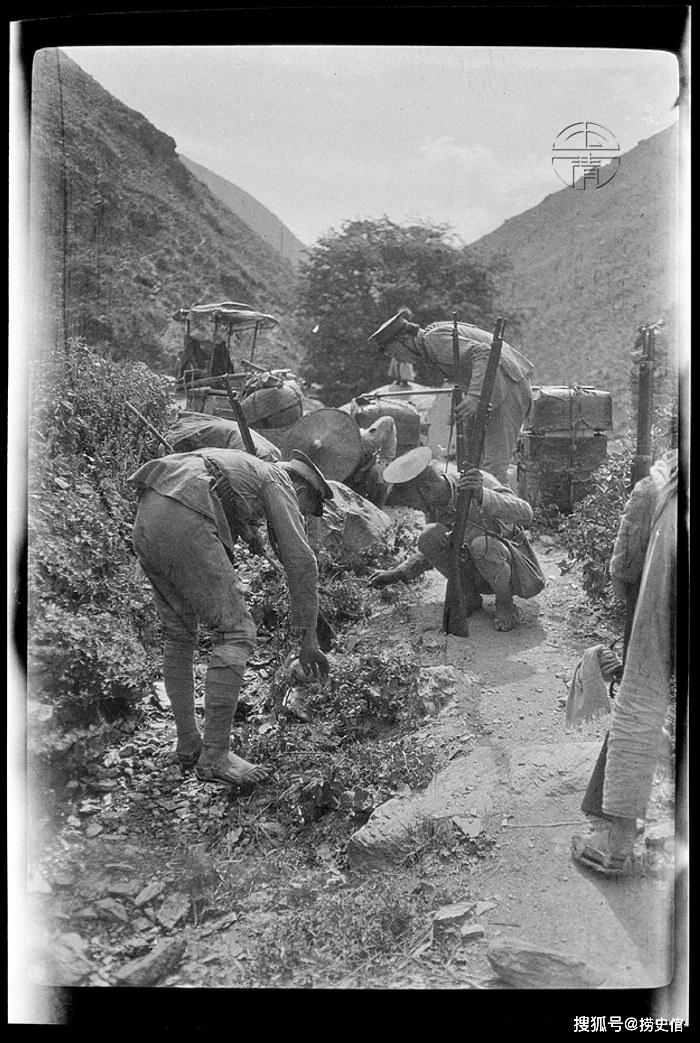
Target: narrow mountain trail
{"x":140,"y":875}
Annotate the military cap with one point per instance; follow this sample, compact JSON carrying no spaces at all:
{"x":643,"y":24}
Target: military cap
{"x":390,"y":329}
{"x":407,"y":466}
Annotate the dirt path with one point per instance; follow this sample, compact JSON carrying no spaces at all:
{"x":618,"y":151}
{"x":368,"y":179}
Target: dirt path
{"x":227,"y":893}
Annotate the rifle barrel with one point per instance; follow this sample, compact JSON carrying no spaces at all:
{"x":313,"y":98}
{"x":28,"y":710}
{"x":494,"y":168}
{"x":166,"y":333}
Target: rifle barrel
{"x":149,"y":426}
{"x":407,"y":394}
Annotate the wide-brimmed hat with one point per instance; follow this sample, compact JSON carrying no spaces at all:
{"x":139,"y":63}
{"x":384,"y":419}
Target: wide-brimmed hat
{"x":329,"y":438}
{"x":407,"y":466}
{"x":390,"y":329}
{"x":307,"y":469}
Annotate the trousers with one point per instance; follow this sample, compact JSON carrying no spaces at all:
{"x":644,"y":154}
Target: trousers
{"x":194,"y":582}
{"x":503,"y":429}
{"x":643,"y":696}
{"x":487,"y":560}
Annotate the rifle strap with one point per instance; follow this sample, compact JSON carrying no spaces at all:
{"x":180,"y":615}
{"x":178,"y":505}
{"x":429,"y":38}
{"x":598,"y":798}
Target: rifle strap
{"x":230,"y":503}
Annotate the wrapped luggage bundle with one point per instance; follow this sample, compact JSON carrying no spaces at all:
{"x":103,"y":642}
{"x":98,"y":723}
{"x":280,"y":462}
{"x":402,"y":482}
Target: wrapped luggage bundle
{"x":365,"y":411}
{"x":569,"y":409}
{"x":193,"y":431}
{"x":272,"y":403}
{"x":563,"y":442}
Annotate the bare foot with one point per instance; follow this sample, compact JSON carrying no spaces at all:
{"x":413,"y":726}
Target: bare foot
{"x":233,"y":769}
{"x":507,"y":616}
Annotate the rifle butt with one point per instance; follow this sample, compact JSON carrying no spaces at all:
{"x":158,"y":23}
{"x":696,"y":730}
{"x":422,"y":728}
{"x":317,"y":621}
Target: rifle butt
{"x":454,"y":615}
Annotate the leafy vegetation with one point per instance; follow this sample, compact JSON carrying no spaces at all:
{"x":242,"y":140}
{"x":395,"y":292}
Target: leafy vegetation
{"x":356,"y":278}
{"x":90,"y":617}
{"x":589,"y":532}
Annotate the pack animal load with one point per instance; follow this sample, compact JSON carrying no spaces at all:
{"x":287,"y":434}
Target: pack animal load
{"x":193,"y":431}
{"x":564,"y":440}
{"x":366,"y":410}
{"x":271,"y":402}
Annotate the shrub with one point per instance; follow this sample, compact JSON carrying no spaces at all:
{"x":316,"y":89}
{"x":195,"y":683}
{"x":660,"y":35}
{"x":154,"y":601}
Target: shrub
{"x":91,"y":619}
{"x":589,"y":532}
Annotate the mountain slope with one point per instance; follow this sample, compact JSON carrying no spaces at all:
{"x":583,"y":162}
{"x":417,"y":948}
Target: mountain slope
{"x":124,"y":234}
{"x":587,"y":267}
{"x":263,"y":222}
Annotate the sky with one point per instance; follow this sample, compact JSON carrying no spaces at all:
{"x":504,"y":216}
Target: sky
{"x":447,"y":135}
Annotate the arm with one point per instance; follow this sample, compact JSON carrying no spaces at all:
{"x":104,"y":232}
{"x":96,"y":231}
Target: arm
{"x":496,"y":502}
{"x":300,"y":566}
{"x":501,"y":502}
{"x":632,"y":538}
{"x":297,"y":557}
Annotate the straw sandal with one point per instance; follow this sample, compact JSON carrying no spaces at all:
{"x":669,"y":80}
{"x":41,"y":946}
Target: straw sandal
{"x":219,"y":771}
{"x":606,"y":863}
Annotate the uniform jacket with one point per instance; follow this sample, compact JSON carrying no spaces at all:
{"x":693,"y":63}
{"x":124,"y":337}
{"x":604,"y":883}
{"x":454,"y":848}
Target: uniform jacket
{"x":500,"y":509}
{"x":434,"y":345}
{"x":263,"y":491}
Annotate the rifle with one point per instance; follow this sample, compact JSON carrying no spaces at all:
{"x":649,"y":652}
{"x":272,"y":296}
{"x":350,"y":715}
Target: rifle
{"x":645,"y":408}
{"x":370,"y":395}
{"x":454,"y":618}
{"x":240,"y":417}
{"x":150,"y":427}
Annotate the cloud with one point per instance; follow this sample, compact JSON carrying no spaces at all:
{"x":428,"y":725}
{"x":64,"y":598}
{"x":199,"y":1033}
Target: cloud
{"x":478,"y":168}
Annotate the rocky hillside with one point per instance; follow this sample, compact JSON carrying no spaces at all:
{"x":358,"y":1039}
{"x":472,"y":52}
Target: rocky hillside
{"x":263,"y":222}
{"x":588,"y":267}
{"x":124,"y":234}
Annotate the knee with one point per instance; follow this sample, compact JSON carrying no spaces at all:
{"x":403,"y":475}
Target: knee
{"x":233,"y":647}
{"x":176,"y":633}
{"x":431,"y":541}
{"x":486,"y":548}
{"x":478,"y":548}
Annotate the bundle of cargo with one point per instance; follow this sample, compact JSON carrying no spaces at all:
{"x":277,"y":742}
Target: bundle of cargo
{"x":563,"y":442}
{"x":193,"y":431}
{"x":272,"y":402}
{"x":366,"y":410}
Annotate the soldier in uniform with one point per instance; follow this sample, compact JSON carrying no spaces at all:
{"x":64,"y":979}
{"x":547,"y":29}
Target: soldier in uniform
{"x":192,"y":508}
{"x":512,"y":393}
{"x":645,"y":554}
{"x":497,"y":558}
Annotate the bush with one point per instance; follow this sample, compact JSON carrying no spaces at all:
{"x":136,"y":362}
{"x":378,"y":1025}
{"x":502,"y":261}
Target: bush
{"x":589,"y":532}
{"x":91,"y":619}
{"x":354,"y":279}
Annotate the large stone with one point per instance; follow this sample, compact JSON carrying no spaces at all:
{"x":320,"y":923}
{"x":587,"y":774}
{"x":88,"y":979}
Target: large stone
{"x":113,"y":908}
{"x":489,"y":780}
{"x":174,"y":909}
{"x":149,"y":970}
{"x":350,"y":526}
{"x":527,"y":966}
{"x":149,"y":892}
{"x":449,"y":919}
